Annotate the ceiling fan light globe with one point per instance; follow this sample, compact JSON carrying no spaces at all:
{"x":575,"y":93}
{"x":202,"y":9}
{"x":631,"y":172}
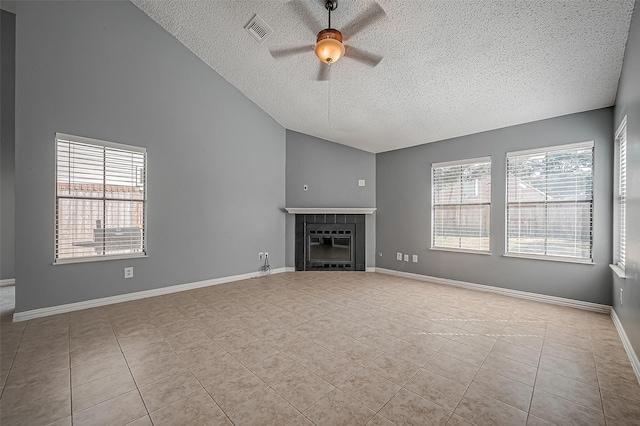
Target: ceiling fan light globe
{"x":329,"y":47}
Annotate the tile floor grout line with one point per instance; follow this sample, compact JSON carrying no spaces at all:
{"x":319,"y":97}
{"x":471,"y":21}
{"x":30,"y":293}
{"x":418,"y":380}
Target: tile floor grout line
{"x":13,"y":358}
{"x":469,"y":385}
{"x":130,"y":372}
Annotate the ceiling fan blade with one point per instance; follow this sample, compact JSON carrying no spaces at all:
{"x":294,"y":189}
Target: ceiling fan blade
{"x":324,"y":72}
{"x":360,"y":55}
{"x":305,"y":15}
{"x":366,"y":18}
{"x":281,"y":53}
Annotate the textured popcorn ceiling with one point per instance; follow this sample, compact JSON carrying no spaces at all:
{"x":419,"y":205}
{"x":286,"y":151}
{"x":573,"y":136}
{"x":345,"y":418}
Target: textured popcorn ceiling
{"x":450,"y":67}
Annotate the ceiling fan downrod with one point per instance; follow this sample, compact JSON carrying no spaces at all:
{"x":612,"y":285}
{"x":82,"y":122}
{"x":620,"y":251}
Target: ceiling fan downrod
{"x":331,"y":5}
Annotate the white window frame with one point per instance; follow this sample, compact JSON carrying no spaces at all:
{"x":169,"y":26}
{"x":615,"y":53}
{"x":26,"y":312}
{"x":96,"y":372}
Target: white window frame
{"x":620,"y":200}
{"x":99,"y":143}
{"x":555,"y":148}
{"x":469,"y":161}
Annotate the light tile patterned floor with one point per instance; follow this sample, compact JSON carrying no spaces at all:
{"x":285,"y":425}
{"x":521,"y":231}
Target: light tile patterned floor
{"x":7,"y":299}
{"x":318,"y":348}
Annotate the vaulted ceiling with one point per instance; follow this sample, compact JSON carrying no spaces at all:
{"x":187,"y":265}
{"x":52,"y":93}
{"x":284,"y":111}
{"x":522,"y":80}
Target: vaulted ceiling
{"x":449,"y":67}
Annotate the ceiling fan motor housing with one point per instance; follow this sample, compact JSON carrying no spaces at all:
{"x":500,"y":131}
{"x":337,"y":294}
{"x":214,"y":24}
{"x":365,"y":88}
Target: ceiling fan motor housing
{"x":329,"y":47}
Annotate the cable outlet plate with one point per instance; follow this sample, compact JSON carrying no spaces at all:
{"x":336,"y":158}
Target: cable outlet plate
{"x":415,"y":258}
{"x":398,"y":256}
{"x":406,"y":257}
{"x":128,"y":272}
{"x":261,"y":256}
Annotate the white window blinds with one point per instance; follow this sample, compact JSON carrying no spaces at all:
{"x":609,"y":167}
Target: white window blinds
{"x":461,"y":204}
{"x":550,"y":201}
{"x":621,"y":192}
{"x":100,"y":199}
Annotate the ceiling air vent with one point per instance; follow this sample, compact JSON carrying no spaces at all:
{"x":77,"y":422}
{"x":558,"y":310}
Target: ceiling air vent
{"x":258,"y":28}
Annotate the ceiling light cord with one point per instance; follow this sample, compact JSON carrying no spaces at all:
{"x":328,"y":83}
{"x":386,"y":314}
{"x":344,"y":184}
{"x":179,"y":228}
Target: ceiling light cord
{"x":329,"y":103}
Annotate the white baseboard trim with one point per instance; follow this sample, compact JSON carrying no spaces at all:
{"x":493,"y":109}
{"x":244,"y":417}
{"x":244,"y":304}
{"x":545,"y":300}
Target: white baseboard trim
{"x":7,"y":282}
{"x":93,"y":303}
{"x":635,"y":363}
{"x":371,"y":269}
{"x":595,"y":307}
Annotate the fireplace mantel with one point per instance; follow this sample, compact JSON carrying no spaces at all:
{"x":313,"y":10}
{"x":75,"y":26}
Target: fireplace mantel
{"x":330,"y":210}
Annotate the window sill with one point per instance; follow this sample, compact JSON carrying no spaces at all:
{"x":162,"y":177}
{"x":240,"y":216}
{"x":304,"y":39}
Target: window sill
{"x":99,"y":259}
{"x":550,"y":258}
{"x":486,"y":253}
{"x":618,"y":271}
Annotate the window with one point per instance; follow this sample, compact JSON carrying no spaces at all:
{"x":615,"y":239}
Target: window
{"x":550,"y":202}
{"x":621,"y":195}
{"x":100,"y":200}
{"x":461,"y":205}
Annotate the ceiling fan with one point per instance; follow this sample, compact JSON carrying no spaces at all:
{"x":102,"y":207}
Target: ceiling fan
{"x":329,"y":47}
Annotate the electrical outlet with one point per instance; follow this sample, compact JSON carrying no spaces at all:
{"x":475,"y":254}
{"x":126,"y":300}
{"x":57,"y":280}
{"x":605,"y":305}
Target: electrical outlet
{"x":399,"y":256}
{"x":266,"y":254}
{"x":261,"y":255}
{"x":621,"y":296}
{"x":361,"y":182}
{"x":406,"y":257}
{"x":128,"y":272}
{"x":415,"y":258}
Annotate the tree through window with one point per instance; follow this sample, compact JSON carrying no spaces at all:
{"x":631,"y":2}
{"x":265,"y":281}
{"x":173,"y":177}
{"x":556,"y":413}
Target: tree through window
{"x":550,"y":201}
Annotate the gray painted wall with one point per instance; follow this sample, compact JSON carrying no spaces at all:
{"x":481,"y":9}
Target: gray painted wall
{"x":628,"y":103}
{"x":7,"y":145}
{"x":404,"y":210}
{"x":216,"y":166}
{"x":332,"y":172}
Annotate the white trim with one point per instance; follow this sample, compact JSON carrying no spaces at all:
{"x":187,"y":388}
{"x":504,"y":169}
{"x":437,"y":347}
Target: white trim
{"x":7,"y":282}
{"x":579,"y":304}
{"x":623,"y":123}
{"x":618,"y":271}
{"x":486,"y":159}
{"x":579,"y":145}
{"x":330,"y":210}
{"x":635,"y":363}
{"x":370,"y":269}
{"x":99,"y":258}
{"x":90,"y":141}
{"x":455,"y":250}
{"x":551,"y":258}
{"x":290,"y":269}
{"x":70,"y":307}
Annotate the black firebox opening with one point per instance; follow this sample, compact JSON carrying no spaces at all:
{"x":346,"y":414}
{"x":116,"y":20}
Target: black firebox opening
{"x":330,"y":242}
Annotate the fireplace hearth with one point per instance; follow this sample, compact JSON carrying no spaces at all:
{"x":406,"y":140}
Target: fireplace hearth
{"x":330,"y":242}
